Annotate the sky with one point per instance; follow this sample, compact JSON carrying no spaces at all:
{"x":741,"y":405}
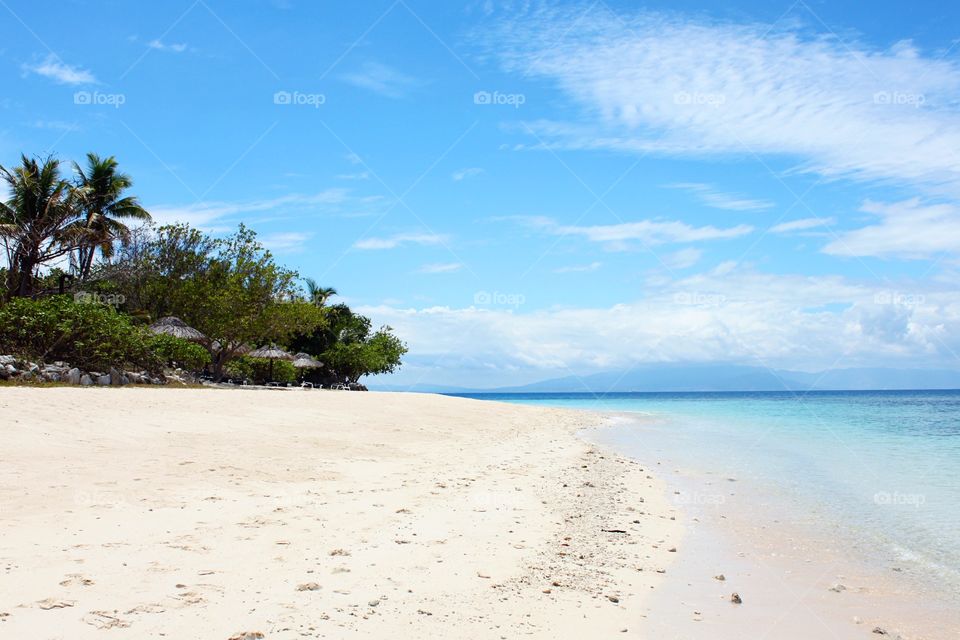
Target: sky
{"x":526,"y":190}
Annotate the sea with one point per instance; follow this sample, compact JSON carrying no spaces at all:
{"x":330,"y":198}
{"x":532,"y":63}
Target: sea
{"x":875,"y":473}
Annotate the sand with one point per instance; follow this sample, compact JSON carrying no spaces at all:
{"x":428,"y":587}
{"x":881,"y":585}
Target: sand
{"x":195,"y":513}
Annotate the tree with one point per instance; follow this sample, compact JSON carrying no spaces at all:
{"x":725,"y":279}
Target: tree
{"x":230,"y":289}
{"x":348,"y":349}
{"x":38,"y":223}
{"x":318,"y":295}
{"x":100,"y":192}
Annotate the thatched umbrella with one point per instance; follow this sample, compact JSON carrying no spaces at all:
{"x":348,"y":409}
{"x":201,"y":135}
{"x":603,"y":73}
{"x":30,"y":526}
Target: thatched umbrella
{"x":271,"y":352}
{"x":173,"y":326}
{"x":305,"y":361}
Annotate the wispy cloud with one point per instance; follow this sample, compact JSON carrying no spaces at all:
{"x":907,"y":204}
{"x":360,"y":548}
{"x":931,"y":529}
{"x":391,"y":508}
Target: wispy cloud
{"x":719,"y":200}
{"x":803,"y":224}
{"x":646,"y":232}
{"x":674,"y":84}
{"x":910,"y":229}
{"x":202,"y":214}
{"x":400,"y":239}
{"x":54,"y":68}
{"x":682,"y":259}
{"x":286,"y":241}
{"x":579,"y":268}
{"x":381,"y":79}
{"x":469,"y":172}
{"x":446,"y":267}
{"x":172,"y":47}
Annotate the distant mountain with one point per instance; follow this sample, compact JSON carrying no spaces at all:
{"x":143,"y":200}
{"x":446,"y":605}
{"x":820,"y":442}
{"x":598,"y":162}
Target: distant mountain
{"x":722,"y":377}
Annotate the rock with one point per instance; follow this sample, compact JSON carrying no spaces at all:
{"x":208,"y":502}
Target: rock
{"x":4,"y":374}
{"x":880,"y":631}
{"x":104,"y":381}
{"x":247,"y":635}
{"x":124,"y":380}
{"x":86,"y":380}
{"x":116,"y":378}
{"x":12,"y":370}
{"x":74,"y":376}
{"x":51,"y":376}
{"x":838,"y":588}
{"x":735,"y":598}
{"x":26,"y":376}
{"x":308,"y":586}
{"x":613,"y":599}
{"x":373,"y":603}
{"x":5,"y":360}
{"x":720,"y":577}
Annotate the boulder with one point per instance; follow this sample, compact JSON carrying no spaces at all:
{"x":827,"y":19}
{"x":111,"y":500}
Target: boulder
{"x":51,"y":376}
{"x":116,"y":378}
{"x":104,"y":381}
{"x":74,"y":376}
{"x":86,"y":380}
{"x":26,"y":376}
{"x":5,"y":360}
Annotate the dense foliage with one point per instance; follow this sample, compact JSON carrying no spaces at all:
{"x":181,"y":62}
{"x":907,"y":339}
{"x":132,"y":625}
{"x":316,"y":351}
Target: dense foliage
{"x":229,"y":288}
{"x":89,"y":336}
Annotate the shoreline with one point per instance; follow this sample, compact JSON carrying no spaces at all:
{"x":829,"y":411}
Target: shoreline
{"x":145,"y":512}
{"x":799,"y":581}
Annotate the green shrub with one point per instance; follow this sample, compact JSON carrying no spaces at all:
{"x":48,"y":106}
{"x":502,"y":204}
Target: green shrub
{"x":86,"y":335}
{"x":258,"y":370}
{"x":179,"y":352}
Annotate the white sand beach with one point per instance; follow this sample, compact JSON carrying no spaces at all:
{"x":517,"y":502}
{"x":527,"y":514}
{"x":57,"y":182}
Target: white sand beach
{"x":193,"y":513}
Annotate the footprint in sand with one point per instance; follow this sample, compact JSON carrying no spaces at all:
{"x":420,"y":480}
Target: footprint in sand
{"x":75,"y":579}
{"x":105,"y":620}
{"x":53,"y":603}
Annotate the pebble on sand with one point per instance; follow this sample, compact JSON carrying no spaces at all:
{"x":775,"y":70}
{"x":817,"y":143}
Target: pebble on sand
{"x":735,"y":598}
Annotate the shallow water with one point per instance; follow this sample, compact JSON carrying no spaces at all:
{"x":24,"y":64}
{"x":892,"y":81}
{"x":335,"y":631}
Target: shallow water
{"x":878,"y":473}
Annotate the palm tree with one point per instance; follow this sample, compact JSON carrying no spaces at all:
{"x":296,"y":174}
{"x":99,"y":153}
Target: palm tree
{"x":104,"y":205}
{"x":38,"y":222}
{"x":318,"y":295}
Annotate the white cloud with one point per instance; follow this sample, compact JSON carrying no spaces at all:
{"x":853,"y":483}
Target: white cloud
{"x":202,"y":214}
{"x":400,"y":239}
{"x":652,"y":232}
{"x":682,"y":259}
{"x":286,"y":241}
{"x":651,"y":82}
{"x":909,"y":229}
{"x":579,"y":268}
{"x":54,"y":68}
{"x":469,"y":172}
{"x":173,"y":47}
{"x":447,"y":267}
{"x":803,"y":224}
{"x":731,"y":314}
{"x":719,"y":200}
{"x":381,"y":79}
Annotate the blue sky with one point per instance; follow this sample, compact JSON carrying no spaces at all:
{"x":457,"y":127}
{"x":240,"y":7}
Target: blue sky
{"x":528,"y":190}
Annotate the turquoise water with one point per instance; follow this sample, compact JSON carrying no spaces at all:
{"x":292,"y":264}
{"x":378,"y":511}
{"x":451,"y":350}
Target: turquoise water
{"x":879,"y":471}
